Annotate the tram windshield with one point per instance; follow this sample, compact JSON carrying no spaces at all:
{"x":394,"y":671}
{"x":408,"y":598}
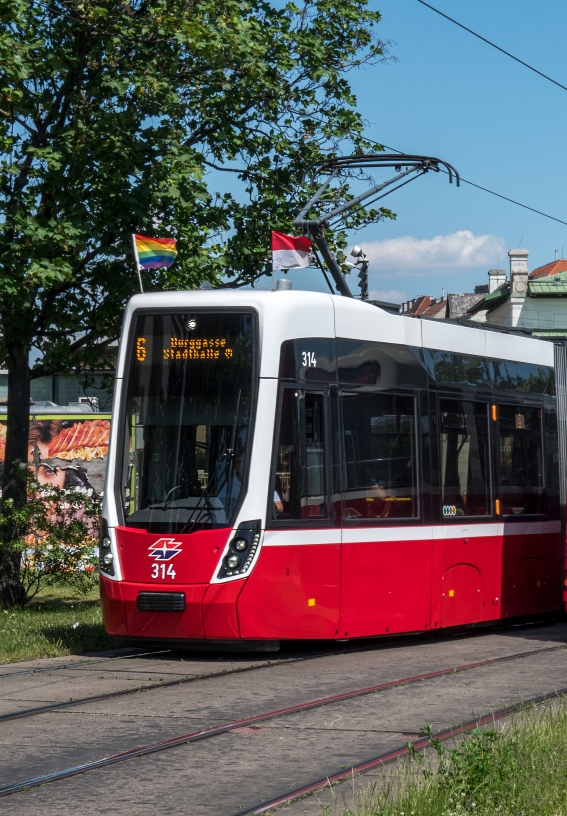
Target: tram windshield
{"x":187,"y":419}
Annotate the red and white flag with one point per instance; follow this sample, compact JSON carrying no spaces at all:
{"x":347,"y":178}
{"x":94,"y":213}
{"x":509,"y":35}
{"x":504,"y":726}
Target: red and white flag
{"x":289,"y":252}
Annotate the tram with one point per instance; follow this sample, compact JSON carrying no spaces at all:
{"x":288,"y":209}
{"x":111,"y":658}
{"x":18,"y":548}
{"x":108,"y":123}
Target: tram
{"x":291,"y":465}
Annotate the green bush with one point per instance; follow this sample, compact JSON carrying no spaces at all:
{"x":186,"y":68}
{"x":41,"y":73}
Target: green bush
{"x":55,"y":535}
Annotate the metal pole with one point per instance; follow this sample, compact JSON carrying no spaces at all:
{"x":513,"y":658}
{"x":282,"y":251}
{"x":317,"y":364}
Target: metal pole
{"x":332,"y":265}
{"x":320,"y":191}
{"x":354,"y":201}
{"x":138,"y":269}
{"x":314,"y":227}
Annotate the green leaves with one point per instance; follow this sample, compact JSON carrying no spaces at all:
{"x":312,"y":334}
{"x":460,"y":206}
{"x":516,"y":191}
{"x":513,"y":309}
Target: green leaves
{"x":55,"y":534}
{"x":114,"y":118}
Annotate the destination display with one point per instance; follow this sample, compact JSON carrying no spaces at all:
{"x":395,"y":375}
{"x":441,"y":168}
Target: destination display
{"x":194,"y":348}
{"x":198,"y":348}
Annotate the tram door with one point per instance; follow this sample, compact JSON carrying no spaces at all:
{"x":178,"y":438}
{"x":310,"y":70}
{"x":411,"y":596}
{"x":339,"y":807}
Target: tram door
{"x":294,"y":590}
{"x":386,"y":556}
{"x":466,"y":548}
{"x":531,"y":549}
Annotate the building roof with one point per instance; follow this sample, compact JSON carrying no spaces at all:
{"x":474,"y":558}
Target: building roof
{"x":460,"y":304}
{"x":552,"y":268}
{"x":548,"y":286}
{"x":393,"y":308}
{"x":421,"y":304}
{"x":492,"y":300}
{"x":435,"y":308}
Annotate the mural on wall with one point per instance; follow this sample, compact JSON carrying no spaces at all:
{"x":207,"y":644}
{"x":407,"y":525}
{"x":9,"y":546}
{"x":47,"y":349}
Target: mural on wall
{"x":67,"y":451}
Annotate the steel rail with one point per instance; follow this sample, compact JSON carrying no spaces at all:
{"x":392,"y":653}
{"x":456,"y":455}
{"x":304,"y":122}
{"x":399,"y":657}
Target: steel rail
{"x":83,"y":663}
{"x":397,"y":753}
{"x":31,"y":712}
{"x":209,"y":676}
{"x":207,"y":733}
{"x":36,"y":710}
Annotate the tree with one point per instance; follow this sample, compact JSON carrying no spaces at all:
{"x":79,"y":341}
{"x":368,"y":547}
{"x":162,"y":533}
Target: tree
{"x":114,"y":115}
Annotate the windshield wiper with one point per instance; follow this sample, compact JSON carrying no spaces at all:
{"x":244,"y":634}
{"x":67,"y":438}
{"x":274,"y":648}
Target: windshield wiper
{"x":227,"y":460}
{"x":206,"y":494}
{"x":168,"y":494}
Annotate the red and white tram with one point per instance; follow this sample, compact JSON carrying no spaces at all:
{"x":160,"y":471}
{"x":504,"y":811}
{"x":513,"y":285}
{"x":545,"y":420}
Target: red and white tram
{"x":292,"y":465}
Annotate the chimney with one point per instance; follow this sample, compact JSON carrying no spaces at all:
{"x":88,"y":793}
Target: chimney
{"x":518,"y":272}
{"x":496,"y":277}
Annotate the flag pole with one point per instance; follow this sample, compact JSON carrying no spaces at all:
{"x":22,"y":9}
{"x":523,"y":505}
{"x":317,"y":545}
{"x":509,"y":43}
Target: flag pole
{"x":138,"y":268}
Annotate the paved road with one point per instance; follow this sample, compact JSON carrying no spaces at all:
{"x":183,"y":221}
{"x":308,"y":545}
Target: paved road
{"x":223,"y":775}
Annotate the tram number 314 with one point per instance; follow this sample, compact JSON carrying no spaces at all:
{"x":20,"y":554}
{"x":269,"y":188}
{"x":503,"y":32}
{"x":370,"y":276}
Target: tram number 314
{"x":162,"y":571}
{"x":308,"y":359}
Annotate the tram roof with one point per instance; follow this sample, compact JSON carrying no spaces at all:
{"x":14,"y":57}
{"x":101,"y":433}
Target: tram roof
{"x":285,"y":315}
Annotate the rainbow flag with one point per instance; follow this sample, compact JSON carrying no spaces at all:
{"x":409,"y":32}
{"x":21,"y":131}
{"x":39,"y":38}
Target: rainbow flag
{"x":152,"y":253}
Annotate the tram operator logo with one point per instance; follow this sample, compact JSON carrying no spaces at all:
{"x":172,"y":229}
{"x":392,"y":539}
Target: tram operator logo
{"x":164,"y":549}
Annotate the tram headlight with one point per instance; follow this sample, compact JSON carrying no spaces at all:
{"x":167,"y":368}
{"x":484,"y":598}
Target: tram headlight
{"x":105,"y":556}
{"x":242,"y":550}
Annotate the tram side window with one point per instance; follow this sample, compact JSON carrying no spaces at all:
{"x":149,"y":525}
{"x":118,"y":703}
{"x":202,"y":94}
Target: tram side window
{"x":465,"y":463}
{"x":380,"y":454}
{"x":299,"y":488}
{"x":521,"y":460}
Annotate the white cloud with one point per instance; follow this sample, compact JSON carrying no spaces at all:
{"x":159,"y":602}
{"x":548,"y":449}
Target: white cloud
{"x":409,"y":256}
{"x":390,"y":295}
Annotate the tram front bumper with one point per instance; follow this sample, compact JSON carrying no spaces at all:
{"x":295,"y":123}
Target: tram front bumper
{"x":208,"y":611}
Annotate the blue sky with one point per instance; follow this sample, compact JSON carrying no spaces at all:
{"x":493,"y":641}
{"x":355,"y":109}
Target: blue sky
{"x":502,"y":126}
{"x":447,"y":94}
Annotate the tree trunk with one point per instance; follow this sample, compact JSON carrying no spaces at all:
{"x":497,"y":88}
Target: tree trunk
{"x":14,"y":479}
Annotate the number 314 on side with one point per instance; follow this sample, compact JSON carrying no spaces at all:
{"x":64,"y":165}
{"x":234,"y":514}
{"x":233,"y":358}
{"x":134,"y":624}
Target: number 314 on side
{"x":308,"y":359}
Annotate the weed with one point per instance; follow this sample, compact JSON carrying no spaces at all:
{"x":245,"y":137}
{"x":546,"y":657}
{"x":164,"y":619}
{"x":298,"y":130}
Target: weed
{"x":518,"y":770}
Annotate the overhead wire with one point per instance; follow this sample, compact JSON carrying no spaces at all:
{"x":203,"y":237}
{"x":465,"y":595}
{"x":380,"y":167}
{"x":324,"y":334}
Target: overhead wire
{"x":488,"y":42}
{"x":492,"y":192}
{"x":526,"y":65}
{"x":511,"y":200}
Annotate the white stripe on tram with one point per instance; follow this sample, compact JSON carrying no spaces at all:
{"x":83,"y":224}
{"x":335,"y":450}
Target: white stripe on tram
{"x":360,"y":535}
{"x":293,"y":538}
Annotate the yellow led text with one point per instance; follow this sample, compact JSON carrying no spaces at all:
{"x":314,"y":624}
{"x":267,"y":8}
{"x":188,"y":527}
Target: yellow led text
{"x":197,"y":348}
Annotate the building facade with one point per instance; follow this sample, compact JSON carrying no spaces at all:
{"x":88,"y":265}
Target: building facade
{"x":534,"y":303}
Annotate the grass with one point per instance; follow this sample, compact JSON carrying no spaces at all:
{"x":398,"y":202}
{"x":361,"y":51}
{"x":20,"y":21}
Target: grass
{"x":519,"y":770}
{"x":47,"y":627}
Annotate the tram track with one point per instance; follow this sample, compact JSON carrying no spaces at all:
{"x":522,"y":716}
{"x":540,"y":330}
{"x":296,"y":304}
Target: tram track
{"x":73,"y":702}
{"x":398,"y":753}
{"x":36,"y":710}
{"x":82,"y":663}
{"x":215,"y":731}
